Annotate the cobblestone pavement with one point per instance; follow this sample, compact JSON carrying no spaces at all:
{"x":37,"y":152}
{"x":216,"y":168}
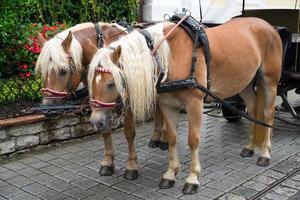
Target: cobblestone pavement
{"x":69,"y":171}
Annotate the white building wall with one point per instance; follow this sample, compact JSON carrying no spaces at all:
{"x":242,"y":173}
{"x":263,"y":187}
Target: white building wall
{"x":217,"y":11}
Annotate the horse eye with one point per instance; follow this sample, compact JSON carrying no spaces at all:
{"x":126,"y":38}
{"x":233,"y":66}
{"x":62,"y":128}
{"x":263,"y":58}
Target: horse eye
{"x":111,"y":85}
{"x":62,"y":72}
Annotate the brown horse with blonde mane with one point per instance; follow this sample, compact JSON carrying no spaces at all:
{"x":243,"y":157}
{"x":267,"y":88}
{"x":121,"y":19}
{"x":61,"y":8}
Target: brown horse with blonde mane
{"x":63,"y":64}
{"x":242,"y":50}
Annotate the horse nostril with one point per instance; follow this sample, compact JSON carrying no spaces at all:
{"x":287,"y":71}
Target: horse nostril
{"x":100,"y":125}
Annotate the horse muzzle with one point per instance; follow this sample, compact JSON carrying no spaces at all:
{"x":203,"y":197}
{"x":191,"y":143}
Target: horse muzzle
{"x":100,"y":120}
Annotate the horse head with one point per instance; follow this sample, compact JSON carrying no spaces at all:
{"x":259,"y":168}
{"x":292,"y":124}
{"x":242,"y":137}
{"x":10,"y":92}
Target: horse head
{"x":60,"y":64}
{"x":102,"y":87}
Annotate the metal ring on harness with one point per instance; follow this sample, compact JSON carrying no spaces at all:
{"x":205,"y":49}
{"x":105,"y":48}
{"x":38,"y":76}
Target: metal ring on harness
{"x":166,"y":17}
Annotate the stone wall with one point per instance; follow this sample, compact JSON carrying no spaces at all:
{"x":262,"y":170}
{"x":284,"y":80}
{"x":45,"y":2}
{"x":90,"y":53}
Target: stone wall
{"x":18,"y":137}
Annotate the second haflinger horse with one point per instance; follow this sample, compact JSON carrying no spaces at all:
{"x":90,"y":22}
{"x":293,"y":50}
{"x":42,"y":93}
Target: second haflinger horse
{"x":241,"y":50}
{"x":63,"y":64}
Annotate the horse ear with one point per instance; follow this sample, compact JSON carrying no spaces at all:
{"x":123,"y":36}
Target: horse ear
{"x":66,"y":44}
{"x":89,"y":50}
{"x":115,"y":55}
{"x":41,"y":39}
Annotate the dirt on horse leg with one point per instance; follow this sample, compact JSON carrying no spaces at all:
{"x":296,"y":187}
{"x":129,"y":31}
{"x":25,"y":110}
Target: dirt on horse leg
{"x":107,"y":164}
{"x":169,"y":177}
{"x":131,"y":172}
{"x":194,"y":110}
{"x":249,"y":99}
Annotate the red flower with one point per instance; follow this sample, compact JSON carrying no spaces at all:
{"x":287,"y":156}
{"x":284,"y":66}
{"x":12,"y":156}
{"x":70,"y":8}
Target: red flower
{"x":23,"y":66}
{"x":21,"y":75}
{"x":27,"y":74}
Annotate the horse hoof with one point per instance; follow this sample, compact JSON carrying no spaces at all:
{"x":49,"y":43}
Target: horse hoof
{"x":262,"y":161}
{"x":131,"y":174}
{"x":154,"y":143}
{"x":106,"y":170}
{"x":190,"y":188}
{"x":247,"y":153}
{"x":166,"y":184}
{"x":164,"y":146}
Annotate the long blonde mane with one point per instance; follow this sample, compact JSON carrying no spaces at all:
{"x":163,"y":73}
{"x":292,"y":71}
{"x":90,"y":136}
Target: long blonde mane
{"x":54,"y":57}
{"x":137,"y":69}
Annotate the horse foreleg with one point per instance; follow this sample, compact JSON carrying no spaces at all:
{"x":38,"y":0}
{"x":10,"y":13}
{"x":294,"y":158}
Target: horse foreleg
{"x":131,"y":172}
{"x":171,"y":119}
{"x":107,"y":164}
{"x":194,"y":109}
{"x":249,"y":99}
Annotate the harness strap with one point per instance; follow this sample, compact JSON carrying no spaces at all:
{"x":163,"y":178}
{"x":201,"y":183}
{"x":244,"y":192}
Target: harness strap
{"x":99,"y":35}
{"x":148,"y":38}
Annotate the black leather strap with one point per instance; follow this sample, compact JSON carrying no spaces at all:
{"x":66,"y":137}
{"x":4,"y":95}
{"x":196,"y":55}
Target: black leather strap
{"x":99,"y":35}
{"x":148,"y":38}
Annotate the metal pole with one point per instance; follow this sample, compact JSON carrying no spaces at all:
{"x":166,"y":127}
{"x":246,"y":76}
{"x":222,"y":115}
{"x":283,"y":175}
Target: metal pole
{"x":200,"y":10}
{"x":243,"y":8}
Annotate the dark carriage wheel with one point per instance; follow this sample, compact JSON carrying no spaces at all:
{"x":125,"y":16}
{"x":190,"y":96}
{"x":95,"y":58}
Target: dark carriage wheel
{"x":230,"y":115}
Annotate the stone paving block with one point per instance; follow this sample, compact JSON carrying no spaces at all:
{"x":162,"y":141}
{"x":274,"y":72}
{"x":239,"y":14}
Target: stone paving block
{"x":24,"y":196}
{"x":20,"y":181}
{"x":14,"y":166}
{"x":59,"y":162}
{"x":107,"y":180}
{"x":101,"y":190}
{"x":211,"y":193}
{"x":243,"y":191}
{"x":146,"y":193}
{"x":93,"y":165}
{"x":57,"y":151}
{"x":9,"y":191}
{"x":284,"y":191}
{"x":77,"y":193}
{"x":51,"y":169}
{"x":121,"y":196}
{"x":231,"y":196}
{"x":89,"y":173}
{"x":296,"y":178}
{"x":84,"y":183}
{"x":39,"y":165}
{"x":254,"y":185}
{"x":73,"y":167}
{"x":44,"y":178}
{"x":68,"y":156}
{"x":264,"y":179}
{"x":35,"y":188}
{"x":127,"y":187}
{"x":292,"y":184}
{"x":148,"y":183}
{"x":195,"y":197}
{"x":81,"y":160}
{"x":3,"y":183}
{"x":52,"y":195}
{"x":2,"y":169}
{"x":45,"y":156}
{"x":273,"y":196}
{"x":29,"y":172}
{"x":2,"y":198}
{"x":28,"y":160}
{"x":95,"y":197}
{"x":273,"y":174}
{"x":59,"y":185}
{"x":7,"y":175}
{"x":67,"y":176}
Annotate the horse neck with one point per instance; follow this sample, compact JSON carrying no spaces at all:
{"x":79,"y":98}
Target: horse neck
{"x":111,"y":32}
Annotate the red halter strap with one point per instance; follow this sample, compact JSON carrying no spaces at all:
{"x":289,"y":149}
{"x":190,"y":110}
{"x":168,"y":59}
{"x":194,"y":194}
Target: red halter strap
{"x":53,"y":94}
{"x":95,"y":105}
